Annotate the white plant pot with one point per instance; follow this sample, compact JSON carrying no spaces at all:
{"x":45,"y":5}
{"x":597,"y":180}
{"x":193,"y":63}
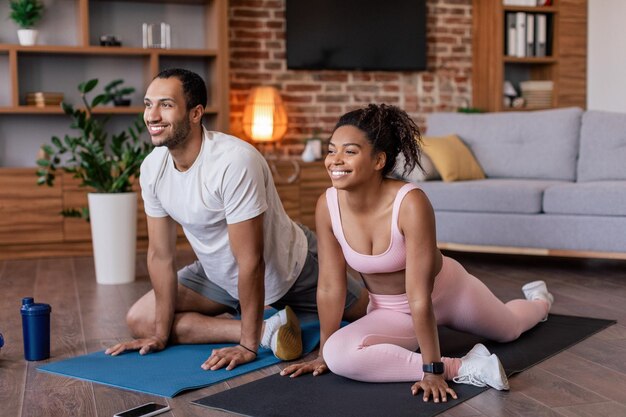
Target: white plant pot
{"x":114,"y":235}
{"x":27,"y":37}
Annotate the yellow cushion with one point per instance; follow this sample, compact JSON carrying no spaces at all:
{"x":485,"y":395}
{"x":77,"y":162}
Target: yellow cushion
{"x":453,"y":160}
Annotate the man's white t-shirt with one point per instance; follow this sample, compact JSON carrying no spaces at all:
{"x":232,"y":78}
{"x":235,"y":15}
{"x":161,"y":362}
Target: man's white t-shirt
{"x":228,"y":183}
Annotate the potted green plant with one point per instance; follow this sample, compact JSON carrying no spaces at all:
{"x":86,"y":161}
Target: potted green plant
{"x":115,"y":93}
{"x":109,"y":167}
{"x":26,"y":14}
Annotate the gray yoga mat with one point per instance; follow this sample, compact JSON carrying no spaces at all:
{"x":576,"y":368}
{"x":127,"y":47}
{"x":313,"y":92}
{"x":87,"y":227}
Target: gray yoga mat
{"x":334,"y":396}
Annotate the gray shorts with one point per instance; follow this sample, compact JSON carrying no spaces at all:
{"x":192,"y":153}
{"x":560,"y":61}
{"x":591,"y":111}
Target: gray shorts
{"x":301,"y":296}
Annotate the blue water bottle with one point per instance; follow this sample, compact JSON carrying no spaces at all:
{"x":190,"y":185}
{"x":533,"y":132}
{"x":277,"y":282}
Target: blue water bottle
{"x":36,"y":329}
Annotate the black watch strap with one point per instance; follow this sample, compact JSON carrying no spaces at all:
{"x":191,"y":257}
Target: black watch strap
{"x":433,"y":368}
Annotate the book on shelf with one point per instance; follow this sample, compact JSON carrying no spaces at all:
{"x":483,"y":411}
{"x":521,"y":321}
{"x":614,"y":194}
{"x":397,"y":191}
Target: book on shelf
{"x":530,"y":35}
{"x":520,"y":24}
{"x":526,"y":35}
{"x":541,"y":32}
{"x":511,"y":35}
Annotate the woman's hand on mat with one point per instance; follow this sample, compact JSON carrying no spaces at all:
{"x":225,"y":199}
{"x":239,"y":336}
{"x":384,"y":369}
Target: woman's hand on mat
{"x":433,"y":385}
{"x":147,"y":345}
{"x":229,"y":357}
{"x":316,"y":366}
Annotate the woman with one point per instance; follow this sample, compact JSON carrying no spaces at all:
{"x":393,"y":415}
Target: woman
{"x":385,"y":229}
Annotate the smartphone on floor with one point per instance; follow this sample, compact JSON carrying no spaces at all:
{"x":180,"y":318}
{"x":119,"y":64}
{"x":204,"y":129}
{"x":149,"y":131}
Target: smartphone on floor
{"x":145,"y":410}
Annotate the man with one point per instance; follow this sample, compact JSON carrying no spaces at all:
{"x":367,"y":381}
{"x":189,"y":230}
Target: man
{"x":250,"y":254}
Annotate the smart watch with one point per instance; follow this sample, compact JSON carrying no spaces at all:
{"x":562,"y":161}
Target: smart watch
{"x":433,"y":368}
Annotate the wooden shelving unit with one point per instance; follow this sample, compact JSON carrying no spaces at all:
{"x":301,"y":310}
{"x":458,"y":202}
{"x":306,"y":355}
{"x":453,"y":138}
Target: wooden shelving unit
{"x":130,"y":110}
{"x":212,"y":56}
{"x":32,"y":224}
{"x":566,"y":65}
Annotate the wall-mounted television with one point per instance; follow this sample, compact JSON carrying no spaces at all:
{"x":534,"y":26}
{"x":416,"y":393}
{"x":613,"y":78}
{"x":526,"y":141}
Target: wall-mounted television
{"x":356,"y":35}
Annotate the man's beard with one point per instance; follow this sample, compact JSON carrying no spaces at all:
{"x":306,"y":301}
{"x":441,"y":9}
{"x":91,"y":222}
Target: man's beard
{"x":180,"y":131}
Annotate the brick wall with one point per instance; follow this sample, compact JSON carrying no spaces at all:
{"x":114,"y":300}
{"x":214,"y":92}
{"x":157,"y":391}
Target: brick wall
{"x":315,"y":99}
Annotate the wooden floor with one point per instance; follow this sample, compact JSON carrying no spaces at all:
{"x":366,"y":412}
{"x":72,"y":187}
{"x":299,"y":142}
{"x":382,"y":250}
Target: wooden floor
{"x":588,"y":379}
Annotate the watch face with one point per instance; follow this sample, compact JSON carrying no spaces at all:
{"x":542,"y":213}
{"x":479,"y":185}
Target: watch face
{"x":433,"y":368}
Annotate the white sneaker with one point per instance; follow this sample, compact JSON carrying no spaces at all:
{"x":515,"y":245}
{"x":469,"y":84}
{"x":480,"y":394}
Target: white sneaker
{"x":481,"y":368}
{"x":282,"y":334}
{"x":537,"y":290}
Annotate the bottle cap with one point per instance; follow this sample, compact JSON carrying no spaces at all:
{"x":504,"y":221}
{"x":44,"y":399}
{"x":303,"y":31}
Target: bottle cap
{"x":29,"y":308}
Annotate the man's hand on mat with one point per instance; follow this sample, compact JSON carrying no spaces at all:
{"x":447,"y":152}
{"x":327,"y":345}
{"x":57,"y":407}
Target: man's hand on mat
{"x":433,"y":385}
{"x":150,"y":344}
{"x":316,"y":366}
{"x":229,"y":357}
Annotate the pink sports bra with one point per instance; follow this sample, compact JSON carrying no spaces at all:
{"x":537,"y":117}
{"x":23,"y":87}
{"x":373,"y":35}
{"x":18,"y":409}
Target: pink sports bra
{"x":393,"y":259}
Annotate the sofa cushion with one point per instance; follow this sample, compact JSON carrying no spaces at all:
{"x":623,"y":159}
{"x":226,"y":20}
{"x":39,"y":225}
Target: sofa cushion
{"x":537,"y":144}
{"x":488,"y":196}
{"x":602,"y":198}
{"x":548,"y":231}
{"x":453,"y":160}
{"x":602,"y":146}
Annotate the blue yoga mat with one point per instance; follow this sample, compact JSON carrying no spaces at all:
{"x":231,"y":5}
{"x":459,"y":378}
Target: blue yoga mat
{"x":168,"y":372}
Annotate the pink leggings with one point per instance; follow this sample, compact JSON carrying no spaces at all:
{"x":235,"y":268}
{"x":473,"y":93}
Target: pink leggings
{"x":380,"y":347}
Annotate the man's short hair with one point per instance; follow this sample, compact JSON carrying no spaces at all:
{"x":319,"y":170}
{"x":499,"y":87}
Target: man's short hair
{"x":194,"y":87}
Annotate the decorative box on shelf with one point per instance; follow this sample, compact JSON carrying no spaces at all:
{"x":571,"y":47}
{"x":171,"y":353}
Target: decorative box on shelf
{"x":43,"y":99}
{"x":537,"y":94}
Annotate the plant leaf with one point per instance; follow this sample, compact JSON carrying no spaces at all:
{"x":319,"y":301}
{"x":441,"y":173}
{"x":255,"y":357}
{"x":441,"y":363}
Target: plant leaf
{"x":57,"y":142}
{"x":107,"y":162}
{"x":87,"y":86}
{"x":99,"y":99}
{"x":110,"y":86}
{"x":47,"y":149}
{"x":67,"y":108}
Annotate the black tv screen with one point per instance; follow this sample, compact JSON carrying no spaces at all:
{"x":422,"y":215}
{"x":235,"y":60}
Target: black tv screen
{"x":356,"y":34}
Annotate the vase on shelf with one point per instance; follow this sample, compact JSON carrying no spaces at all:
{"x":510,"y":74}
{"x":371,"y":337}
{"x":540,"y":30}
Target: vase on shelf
{"x":27,"y":37}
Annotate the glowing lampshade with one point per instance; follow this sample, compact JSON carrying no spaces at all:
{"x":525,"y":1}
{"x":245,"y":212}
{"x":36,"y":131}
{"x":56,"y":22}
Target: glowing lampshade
{"x":264,"y":117}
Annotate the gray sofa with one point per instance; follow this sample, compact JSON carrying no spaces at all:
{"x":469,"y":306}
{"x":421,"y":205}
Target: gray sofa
{"x":555,"y":183}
